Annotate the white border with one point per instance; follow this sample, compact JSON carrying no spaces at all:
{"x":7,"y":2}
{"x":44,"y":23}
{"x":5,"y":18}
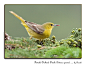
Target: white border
{"x":31,"y":61}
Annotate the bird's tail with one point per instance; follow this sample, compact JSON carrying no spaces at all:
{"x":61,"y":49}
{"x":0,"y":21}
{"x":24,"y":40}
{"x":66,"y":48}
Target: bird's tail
{"x":20,"y":18}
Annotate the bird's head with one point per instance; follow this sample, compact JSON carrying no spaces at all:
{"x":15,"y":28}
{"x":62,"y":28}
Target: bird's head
{"x":49,"y":25}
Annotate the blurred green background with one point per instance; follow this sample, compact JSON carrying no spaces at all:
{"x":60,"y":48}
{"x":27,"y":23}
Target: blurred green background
{"x":68,"y":16}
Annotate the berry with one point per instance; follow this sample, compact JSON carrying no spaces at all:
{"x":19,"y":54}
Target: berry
{"x":74,"y":45}
{"x":79,"y":40}
{"x":53,"y":37}
{"x":73,"y":31}
{"x":69,"y":42}
{"x":71,"y":35}
{"x":57,"y":44}
{"x":70,"y":39}
{"x":61,"y":42}
{"x":79,"y":29}
{"x":39,"y":46}
{"x":75,"y":42}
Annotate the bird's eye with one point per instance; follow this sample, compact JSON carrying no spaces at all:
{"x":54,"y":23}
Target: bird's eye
{"x":51,"y":24}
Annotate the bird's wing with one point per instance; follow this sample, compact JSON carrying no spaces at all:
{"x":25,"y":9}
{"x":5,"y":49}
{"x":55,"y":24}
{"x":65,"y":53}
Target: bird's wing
{"x":35,"y":27}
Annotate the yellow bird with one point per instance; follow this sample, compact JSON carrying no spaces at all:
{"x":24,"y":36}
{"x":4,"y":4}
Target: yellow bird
{"x":35,"y":30}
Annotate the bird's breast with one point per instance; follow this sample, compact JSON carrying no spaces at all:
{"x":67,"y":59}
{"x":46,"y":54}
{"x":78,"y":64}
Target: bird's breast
{"x":47,"y":32}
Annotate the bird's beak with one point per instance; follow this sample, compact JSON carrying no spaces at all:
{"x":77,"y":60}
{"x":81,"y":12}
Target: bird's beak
{"x":56,"y":25}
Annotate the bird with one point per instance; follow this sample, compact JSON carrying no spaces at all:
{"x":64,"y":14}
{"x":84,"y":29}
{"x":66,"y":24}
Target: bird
{"x":34,"y":30}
